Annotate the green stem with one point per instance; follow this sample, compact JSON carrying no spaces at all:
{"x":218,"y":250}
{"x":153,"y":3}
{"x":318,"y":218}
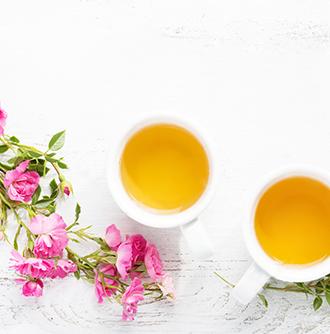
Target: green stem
{"x":56,"y":168}
{"x":31,"y":148}
{"x":115,"y":279}
{"x":232,"y":285}
{"x":79,"y":257}
{"x":9,"y":145}
{"x":19,"y":220}
{"x":16,"y":236}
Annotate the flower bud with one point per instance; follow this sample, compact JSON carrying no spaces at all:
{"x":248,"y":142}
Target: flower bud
{"x":67,"y":191}
{"x":1,"y":235}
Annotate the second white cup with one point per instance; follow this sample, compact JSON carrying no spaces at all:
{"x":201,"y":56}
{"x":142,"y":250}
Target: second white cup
{"x":264,"y":266}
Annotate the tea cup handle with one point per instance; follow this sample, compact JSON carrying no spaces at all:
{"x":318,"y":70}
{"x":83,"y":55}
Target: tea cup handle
{"x":250,"y":284}
{"x":197,"y":239}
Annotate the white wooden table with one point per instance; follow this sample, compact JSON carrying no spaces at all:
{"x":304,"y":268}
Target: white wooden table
{"x":255,"y":74}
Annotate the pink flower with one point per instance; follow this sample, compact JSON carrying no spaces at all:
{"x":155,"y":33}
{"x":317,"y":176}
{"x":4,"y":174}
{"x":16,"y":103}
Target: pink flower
{"x":52,"y":236}
{"x":67,"y":191}
{"x":36,"y":268}
{"x":167,"y":288}
{"x":3,"y":120}
{"x":124,"y":259}
{"x":31,"y":288}
{"x":100,"y":292}
{"x":112,"y":236}
{"x":21,"y":185}
{"x":110,"y":270}
{"x":138,"y":244}
{"x":63,"y":267}
{"x":130,"y":298}
{"x":153,"y":262}
{"x":1,"y":235}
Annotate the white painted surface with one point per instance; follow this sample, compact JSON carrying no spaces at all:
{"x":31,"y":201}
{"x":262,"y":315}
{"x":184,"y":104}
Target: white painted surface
{"x":255,"y":74}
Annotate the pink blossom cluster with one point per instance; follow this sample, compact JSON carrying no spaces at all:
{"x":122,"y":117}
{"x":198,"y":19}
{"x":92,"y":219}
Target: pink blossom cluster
{"x":131,"y":254}
{"x":51,"y":239}
{"x":21,"y":185}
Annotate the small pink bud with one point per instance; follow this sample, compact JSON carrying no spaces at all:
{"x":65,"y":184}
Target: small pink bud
{"x":1,"y":235}
{"x":67,"y":191}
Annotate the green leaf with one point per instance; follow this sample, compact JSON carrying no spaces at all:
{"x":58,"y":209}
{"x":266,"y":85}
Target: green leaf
{"x":62,"y":165}
{"x":263,"y":298}
{"x":78,"y":211}
{"x":30,"y":244}
{"x":13,"y":139}
{"x":77,"y":274}
{"x":43,"y":203}
{"x":38,"y":165}
{"x":49,"y":158}
{"x":6,"y":167}
{"x":327,"y":296}
{"x":34,"y":154}
{"x":317,"y":303}
{"x":57,"y":141}
{"x":143,"y":268}
{"x":3,"y":148}
{"x":98,"y":240}
{"x":15,"y":160}
{"x":11,"y":161}
{"x":36,"y":195}
{"x":53,"y":186}
{"x":40,"y":170}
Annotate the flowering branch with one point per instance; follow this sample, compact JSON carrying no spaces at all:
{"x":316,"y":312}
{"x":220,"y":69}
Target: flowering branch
{"x":319,"y":289}
{"x":115,"y":269}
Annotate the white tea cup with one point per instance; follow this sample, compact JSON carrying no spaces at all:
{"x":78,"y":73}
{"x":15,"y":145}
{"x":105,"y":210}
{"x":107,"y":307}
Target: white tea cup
{"x":188,"y":220}
{"x":264,"y":266}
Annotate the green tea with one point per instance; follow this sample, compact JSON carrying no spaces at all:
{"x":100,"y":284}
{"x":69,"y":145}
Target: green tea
{"x":292,"y":221}
{"x":164,"y":167}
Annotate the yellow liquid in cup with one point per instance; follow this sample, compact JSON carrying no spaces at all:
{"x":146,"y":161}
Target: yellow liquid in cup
{"x":164,"y":168}
{"x":292,"y":221}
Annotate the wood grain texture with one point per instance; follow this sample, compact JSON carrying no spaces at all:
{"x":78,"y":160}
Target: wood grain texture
{"x":255,"y":74}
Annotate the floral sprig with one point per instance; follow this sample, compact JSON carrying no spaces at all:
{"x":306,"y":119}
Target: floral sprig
{"x":116,"y":268}
{"x":20,"y":176}
{"x":116,"y":263}
{"x":318,"y":289}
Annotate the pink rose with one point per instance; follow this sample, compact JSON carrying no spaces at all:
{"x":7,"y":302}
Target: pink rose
{"x":153,"y":262}
{"x":21,"y":185}
{"x":101,"y":293}
{"x":167,"y":288}
{"x":112,"y":236}
{"x":3,"y":120}
{"x":110,"y":270}
{"x":36,"y":268}
{"x":124,"y":259}
{"x":138,"y":244}
{"x":130,"y":298}
{"x":31,"y":288}
{"x":63,"y":267}
{"x":52,"y":236}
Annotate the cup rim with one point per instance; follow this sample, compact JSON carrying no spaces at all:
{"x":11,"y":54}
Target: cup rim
{"x":284,"y":272}
{"x":120,"y":195}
